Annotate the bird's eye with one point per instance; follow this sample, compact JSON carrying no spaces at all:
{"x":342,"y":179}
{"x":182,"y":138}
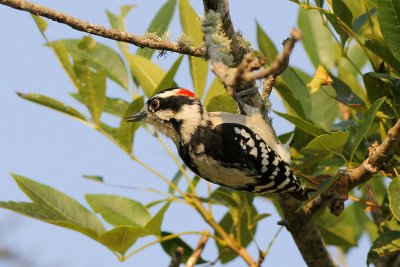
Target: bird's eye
{"x":154,"y":104}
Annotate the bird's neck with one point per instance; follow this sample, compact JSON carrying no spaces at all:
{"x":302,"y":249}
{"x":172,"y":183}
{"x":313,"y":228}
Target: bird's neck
{"x":190,"y":124}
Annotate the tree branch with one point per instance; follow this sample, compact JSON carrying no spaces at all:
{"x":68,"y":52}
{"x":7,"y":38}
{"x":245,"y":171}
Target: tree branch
{"x":199,"y":249}
{"x":377,"y":156}
{"x":222,"y":8}
{"x":99,"y":30}
{"x":250,"y":68}
{"x":176,"y":260}
{"x":336,"y":197}
{"x":301,"y":225}
{"x":304,"y":232}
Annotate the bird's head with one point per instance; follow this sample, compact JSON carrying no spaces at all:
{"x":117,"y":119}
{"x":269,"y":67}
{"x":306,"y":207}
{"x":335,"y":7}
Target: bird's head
{"x":176,"y":112}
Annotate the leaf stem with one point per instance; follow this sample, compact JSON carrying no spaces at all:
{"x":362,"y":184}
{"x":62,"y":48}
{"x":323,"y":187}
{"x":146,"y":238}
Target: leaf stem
{"x":178,"y":164}
{"x":159,"y":175}
{"x":169,"y":237}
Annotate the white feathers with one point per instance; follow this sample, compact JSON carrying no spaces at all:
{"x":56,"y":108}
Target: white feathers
{"x":191,"y":118}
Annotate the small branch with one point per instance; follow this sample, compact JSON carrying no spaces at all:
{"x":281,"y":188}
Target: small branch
{"x":281,"y":61}
{"x":263,"y":254}
{"x":99,"y":30}
{"x":193,"y":259}
{"x":336,"y":197}
{"x":244,"y":75}
{"x":227,"y":238}
{"x":177,"y":258}
{"x":305,"y":233}
{"x":377,"y":156}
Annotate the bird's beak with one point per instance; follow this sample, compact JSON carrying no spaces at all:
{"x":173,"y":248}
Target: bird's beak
{"x":137,"y":117}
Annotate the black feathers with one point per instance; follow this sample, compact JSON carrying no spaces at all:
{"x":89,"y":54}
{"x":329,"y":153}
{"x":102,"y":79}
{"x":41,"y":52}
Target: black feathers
{"x":235,"y":146}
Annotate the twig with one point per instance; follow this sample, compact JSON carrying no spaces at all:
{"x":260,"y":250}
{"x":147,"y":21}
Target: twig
{"x":199,"y":249}
{"x":359,"y":175}
{"x":99,"y":30}
{"x":281,"y":61}
{"x":244,"y":75}
{"x":263,"y":254}
{"x":176,"y":260}
{"x":377,"y":156}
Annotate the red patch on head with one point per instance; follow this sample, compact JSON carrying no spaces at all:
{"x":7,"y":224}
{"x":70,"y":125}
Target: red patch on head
{"x":185,"y":92}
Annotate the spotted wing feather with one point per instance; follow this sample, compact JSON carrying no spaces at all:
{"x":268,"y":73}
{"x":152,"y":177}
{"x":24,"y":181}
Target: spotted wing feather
{"x":235,"y":146}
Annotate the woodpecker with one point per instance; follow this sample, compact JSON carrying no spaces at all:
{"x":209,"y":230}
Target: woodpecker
{"x":232,"y":150}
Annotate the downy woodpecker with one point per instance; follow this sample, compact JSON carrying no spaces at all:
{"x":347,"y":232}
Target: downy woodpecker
{"x":232,"y":150}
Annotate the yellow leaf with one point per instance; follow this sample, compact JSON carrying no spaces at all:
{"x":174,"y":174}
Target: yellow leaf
{"x":320,"y":78}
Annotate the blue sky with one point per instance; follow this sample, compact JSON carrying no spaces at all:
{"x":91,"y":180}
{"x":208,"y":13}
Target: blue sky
{"x":56,"y":150}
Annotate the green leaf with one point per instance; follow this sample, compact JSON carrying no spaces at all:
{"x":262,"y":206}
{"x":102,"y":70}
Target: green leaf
{"x":386,"y":243}
{"x":339,"y":231}
{"x":344,"y":14}
{"x":92,"y":89}
{"x":191,"y":26}
{"x":54,"y":200}
{"x":322,"y":187}
{"x":111,"y":131}
{"x":117,"y":210}
{"x":148,"y":74}
{"x":302,"y":124}
{"x":349,"y":73}
{"x":153,"y":227}
{"x":159,"y":25}
{"x":381,"y":50}
{"x":33,"y":210}
{"x":324,"y":109}
{"x":394,"y":197}
{"x":113,"y":106}
{"x":292,"y":104}
{"x":126,"y":129}
{"x":266,"y":45}
{"x":48,"y":215}
{"x":199,"y":72}
{"x":95,"y":178}
{"x":99,"y":57}
{"x":175,"y":180}
{"x":53,"y":104}
{"x":256,"y":219}
{"x":389,"y":22}
{"x":170,"y":246}
{"x":331,"y":143}
{"x":380,"y":85}
{"x":222,"y":103}
{"x":319,"y":3}
{"x":360,"y":21}
{"x":299,"y":90}
{"x":62,"y":55}
{"x":40,"y":23}
{"x":168,"y":79}
{"x":317,"y":39}
{"x":121,"y":238}
{"x":216,"y":88}
{"x":344,"y":94}
{"x":240,"y":231}
{"x":364,"y":125}
{"x":224,"y":196}
{"x":195,"y":181}
{"x":118,"y":23}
